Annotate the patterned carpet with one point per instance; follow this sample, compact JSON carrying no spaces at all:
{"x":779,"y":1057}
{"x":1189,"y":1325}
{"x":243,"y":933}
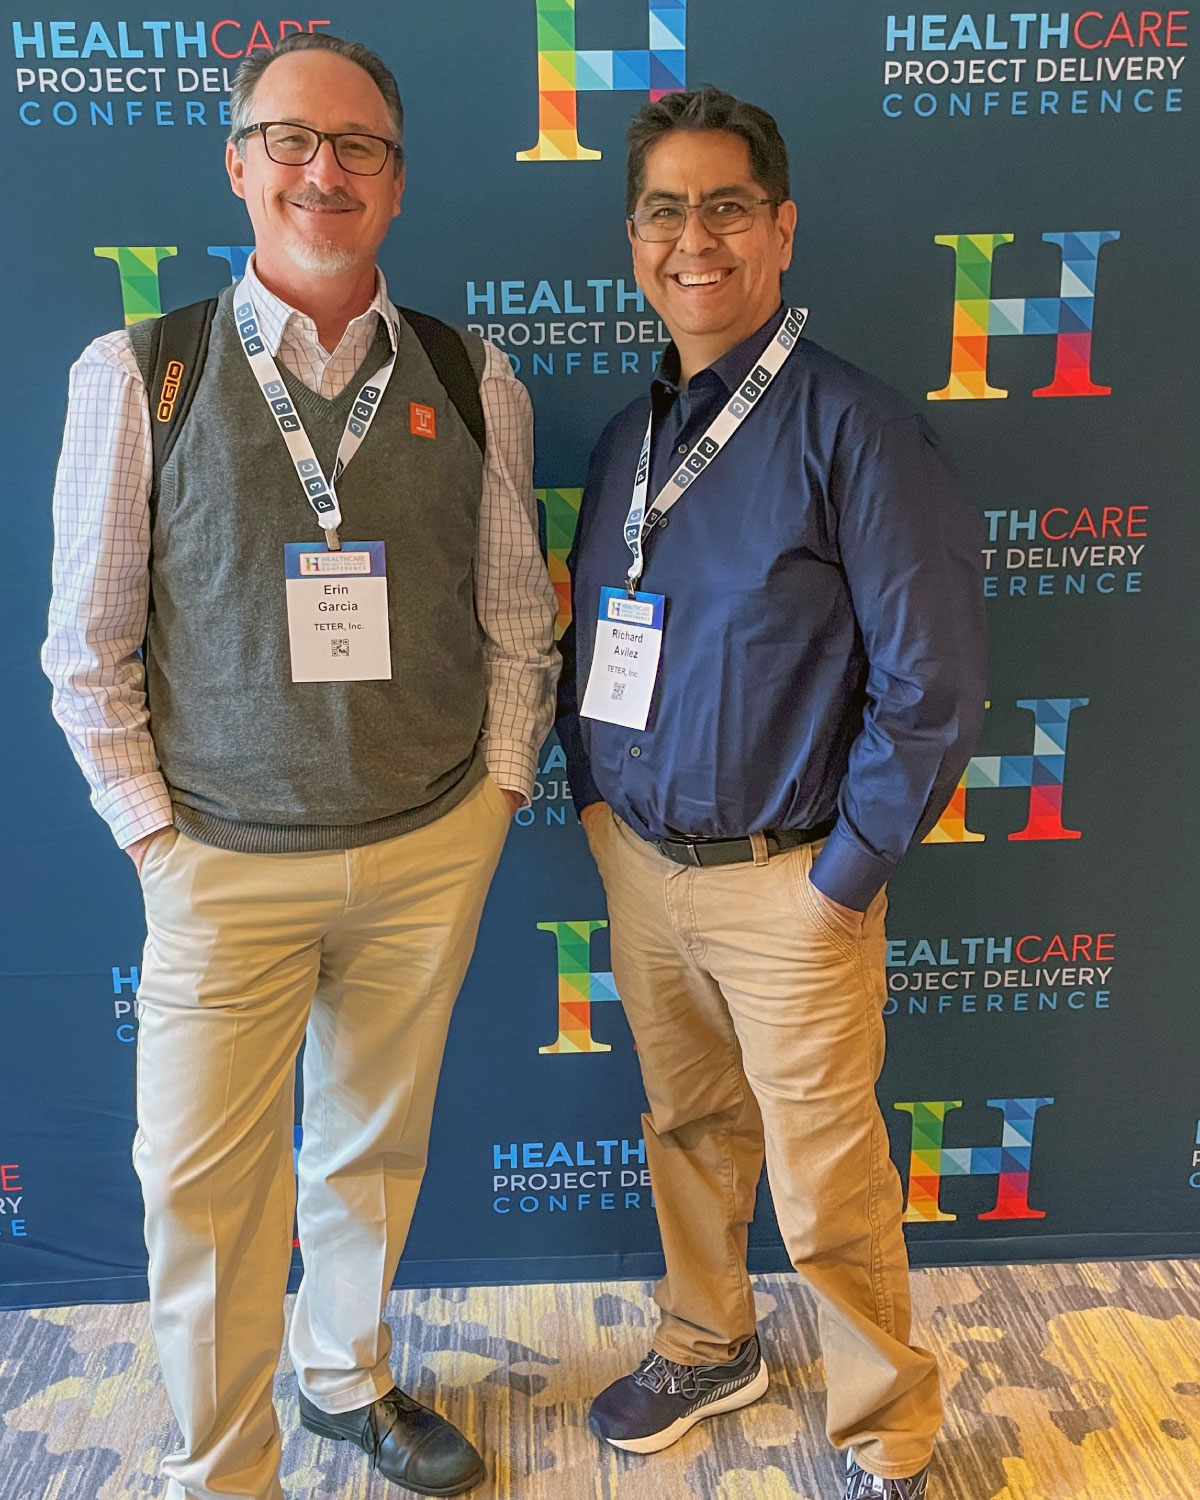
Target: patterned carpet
{"x":1070,"y":1382}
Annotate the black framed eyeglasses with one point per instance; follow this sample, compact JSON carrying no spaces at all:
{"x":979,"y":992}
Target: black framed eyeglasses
{"x":295,"y":146}
{"x":666,"y":221}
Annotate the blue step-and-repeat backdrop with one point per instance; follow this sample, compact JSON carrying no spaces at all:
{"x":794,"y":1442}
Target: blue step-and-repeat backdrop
{"x":997,"y":215}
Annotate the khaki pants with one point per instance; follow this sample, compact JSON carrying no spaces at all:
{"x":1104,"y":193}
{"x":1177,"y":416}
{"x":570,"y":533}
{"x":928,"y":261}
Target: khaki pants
{"x":758,"y":1024}
{"x":363,"y":951}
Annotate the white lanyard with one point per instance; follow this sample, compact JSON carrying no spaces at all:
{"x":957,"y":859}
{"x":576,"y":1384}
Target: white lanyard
{"x":639,"y":522}
{"x":322,"y":495}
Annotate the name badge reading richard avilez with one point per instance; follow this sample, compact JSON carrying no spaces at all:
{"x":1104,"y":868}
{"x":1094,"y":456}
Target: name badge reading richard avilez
{"x":337,"y":612}
{"x":625,"y":662}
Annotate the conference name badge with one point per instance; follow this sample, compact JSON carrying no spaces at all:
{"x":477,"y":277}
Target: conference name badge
{"x":337,"y":610}
{"x":625,"y":661}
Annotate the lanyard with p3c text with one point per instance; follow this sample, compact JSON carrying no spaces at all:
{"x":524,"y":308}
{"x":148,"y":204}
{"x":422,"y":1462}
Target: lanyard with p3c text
{"x":639,"y":521}
{"x":322,"y":495}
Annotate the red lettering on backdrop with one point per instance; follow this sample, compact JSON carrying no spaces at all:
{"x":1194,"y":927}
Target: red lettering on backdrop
{"x":260,"y":40}
{"x":1084,"y":522}
{"x":212,"y":36}
{"x":9,"y":1182}
{"x":1054,"y":536}
{"x":1120,"y":30}
{"x":1081,"y":947}
{"x":1087,"y":15}
{"x":1150,"y":29}
{"x":1115,"y":520}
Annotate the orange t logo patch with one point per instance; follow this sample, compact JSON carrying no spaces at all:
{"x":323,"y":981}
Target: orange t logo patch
{"x":422,"y":420}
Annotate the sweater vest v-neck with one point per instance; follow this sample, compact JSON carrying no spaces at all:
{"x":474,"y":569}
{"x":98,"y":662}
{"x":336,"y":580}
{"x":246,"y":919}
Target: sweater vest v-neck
{"x":254,"y":761}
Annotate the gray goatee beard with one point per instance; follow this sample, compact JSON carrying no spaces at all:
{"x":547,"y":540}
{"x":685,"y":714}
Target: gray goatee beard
{"x":320,"y":257}
{"x":318,"y":254}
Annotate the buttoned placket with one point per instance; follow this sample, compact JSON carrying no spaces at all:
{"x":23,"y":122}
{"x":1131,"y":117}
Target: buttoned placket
{"x":695,"y":406}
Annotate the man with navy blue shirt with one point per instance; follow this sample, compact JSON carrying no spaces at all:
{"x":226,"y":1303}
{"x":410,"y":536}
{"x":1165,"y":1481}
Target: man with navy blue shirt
{"x":774,"y":679}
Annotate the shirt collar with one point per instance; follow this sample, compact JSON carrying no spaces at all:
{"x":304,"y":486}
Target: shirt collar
{"x":275,"y":317}
{"x":731,"y":369}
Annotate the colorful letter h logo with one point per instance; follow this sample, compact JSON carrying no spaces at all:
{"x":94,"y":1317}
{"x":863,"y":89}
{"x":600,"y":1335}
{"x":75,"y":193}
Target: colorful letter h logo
{"x":564,"y":73}
{"x":931,"y":1162}
{"x":137,"y":266}
{"x":978,"y":316}
{"x":560,"y":514}
{"x":1042,"y":772}
{"x":578,"y":987}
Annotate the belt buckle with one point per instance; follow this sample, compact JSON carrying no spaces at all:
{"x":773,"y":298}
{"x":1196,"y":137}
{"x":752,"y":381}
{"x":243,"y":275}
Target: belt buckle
{"x":679,"y":851}
{"x":733,"y":859}
{"x":693,"y":856}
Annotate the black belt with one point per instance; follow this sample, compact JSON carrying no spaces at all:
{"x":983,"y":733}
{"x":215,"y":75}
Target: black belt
{"x":739,"y":851}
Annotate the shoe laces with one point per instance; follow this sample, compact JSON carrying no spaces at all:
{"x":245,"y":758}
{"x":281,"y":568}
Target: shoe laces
{"x":395,"y":1404}
{"x":876,"y":1488}
{"x":657,"y":1374}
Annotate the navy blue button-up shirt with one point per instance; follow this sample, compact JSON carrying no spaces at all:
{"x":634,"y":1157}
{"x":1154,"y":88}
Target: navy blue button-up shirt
{"x":824,"y":652}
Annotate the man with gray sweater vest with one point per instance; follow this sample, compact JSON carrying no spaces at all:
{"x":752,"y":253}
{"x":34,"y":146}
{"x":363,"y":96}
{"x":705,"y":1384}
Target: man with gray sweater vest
{"x":313,"y":764}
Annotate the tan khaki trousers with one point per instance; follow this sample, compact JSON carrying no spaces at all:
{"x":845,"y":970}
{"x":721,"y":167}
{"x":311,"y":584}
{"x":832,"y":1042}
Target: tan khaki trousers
{"x":363,"y":951}
{"x":758,"y":1023}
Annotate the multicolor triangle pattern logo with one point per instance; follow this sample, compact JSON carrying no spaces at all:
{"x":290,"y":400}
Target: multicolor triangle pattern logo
{"x":564,"y":72}
{"x":931,"y":1162}
{"x":979,"y":317}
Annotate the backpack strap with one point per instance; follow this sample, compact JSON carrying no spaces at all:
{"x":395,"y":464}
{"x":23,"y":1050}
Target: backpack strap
{"x":446,"y":352}
{"x":170,"y":352}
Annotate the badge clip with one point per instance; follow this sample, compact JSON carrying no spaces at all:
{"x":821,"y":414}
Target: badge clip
{"x":331,"y":539}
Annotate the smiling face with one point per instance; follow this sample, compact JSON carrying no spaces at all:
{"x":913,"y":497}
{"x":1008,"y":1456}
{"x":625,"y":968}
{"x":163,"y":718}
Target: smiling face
{"x":323,"y":220}
{"x":712,"y":291}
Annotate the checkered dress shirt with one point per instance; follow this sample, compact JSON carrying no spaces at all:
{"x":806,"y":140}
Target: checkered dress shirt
{"x":102,"y":580}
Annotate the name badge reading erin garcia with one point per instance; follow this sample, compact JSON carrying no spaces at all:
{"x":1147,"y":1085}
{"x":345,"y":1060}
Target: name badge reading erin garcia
{"x":625,"y":662}
{"x":337,"y":609}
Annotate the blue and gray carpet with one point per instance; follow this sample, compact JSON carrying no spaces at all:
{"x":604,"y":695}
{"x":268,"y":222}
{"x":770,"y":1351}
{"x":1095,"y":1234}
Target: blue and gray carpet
{"x":1072,"y":1382}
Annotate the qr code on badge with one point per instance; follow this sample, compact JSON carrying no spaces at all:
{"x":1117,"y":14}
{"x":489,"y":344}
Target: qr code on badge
{"x":339,"y":648}
{"x":618,"y":691}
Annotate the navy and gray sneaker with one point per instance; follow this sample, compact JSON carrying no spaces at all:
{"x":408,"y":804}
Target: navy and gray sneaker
{"x":863,"y":1486}
{"x":654,"y":1407}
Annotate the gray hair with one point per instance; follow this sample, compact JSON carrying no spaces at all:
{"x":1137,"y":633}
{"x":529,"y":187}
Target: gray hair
{"x":241,"y":95}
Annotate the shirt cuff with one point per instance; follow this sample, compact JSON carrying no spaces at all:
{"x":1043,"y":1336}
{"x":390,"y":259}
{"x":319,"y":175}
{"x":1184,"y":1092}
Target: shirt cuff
{"x":584,"y":791}
{"x":846,"y":873}
{"x":512,"y":765}
{"x":134,"y":808}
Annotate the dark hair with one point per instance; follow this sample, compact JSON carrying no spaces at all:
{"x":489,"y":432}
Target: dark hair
{"x":241,"y":95}
{"x":708,"y":108}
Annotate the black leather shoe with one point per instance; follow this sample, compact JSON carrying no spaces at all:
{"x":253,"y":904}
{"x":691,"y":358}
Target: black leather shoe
{"x":405,"y":1441}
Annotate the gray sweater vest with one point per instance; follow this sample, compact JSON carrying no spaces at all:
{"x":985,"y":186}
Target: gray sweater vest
{"x":253,"y":761}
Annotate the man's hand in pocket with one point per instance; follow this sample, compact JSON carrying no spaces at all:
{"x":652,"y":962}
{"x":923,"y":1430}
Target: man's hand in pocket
{"x":845,"y":917}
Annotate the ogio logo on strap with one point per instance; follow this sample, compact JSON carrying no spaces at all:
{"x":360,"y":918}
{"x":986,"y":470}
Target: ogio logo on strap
{"x":170,"y":391}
